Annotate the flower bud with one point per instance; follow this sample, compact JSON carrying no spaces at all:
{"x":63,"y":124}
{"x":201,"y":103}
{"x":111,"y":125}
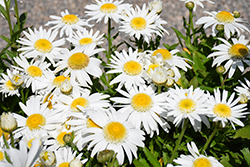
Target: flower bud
{"x":171,"y":73}
{"x":67,"y":138}
{"x":66,"y":87}
{"x":236,"y":14}
{"x":219,"y":27}
{"x":220,"y":69}
{"x":75,"y":163}
{"x":243,"y":99}
{"x":159,"y":76}
{"x":170,"y":82}
{"x":8,"y":122}
{"x":155,"y":5}
{"x":105,"y":156}
{"x":190,"y":5}
{"x":47,"y":158}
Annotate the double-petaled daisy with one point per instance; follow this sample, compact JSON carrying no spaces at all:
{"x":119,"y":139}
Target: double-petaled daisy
{"x":85,"y":37}
{"x":116,"y":133}
{"x":40,"y":43}
{"x":235,"y":54}
{"x":197,"y":2}
{"x":106,"y":9}
{"x":244,"y":88}
{"x":196,"y":159}
{"x":231,"y":24}
{"x":188,"y":104}
{"x":67,"y":23}
{"x":130,"y":68}
{"x":226,"y":109}
{"x":79,"y":63}
{"x":139,"y":22}
{"x":144,"y":107}
{"x":32,"y":71}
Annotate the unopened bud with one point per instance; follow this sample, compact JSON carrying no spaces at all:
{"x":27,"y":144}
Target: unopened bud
{"x":171,"y":73}
{"x":47,"y":158}
{"x":105,"y":156}
{"x":66,"y":87}
{"x":170,"y":82}
{"x":75,"y":163}
{"x":220,"y":69}
{"x":67,"y":138}
{"x":219,"y":27}
{"x":236,"y":14}
{"x":243,"y":99}
{"x":190,"y":5}
{"x":8,"y":122}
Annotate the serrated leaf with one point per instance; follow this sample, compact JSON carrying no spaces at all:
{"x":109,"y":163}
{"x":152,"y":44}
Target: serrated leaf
{"x":243,"y":133}
{"x":246,"y":154}
{"x":152,"y":159}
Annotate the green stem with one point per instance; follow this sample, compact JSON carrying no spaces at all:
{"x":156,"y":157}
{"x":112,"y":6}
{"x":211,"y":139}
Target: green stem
{"x":178,"y":142}
{"x":8,"y":17}
{"x":191,"y":24}
{"x":5,"y":142}
{"x":12,"y":139}
{"x":109,"y":40}
{"x":211,"y":136}
{"x":17,"y":15}
{"x":159,"y":89}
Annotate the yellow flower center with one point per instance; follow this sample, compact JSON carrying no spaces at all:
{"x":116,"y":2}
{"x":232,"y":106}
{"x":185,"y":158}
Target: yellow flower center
{"x":43,"y":45}
{"x":58,"y":80}
{"x":1,"y":156}
{"x":48,"y":99}
{"x":6,"y":135}
{"x":138,"y":23}
{"x":70,"y":19}
{"x":108,"y":8}
{"x":64,"y":164}
{"x":238,"y":51}
{"x":85,"y":41}
{"x":59,"y":138}
{"x":78,"y":61}
{"x":222,"y":110}
{"x":224,"y":17}
{"x":141,"y":102}
{"x":30,"y":142}
{"x":115,"y":132}
{"x":79,"y":102}
{"x":152,"y":66}
{"x":91,"y":124}
{"x":34,"y":71}
{"x":34,"y":121}
{"x":202,"y":162}
{"x":186,"y":105}
{"x":10,"y":86}
{"x":132,"y":68}
{"x":166,"y":55}
{"x":17,"y":80}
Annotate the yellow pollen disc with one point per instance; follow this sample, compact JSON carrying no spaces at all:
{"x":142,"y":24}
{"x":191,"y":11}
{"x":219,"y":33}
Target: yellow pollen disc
{"x":202,"y":162}
{"x":138,"y":23}
{"x":43,"y":45}
{"x":78,"y":61}
{"x":141,"y":102}
{"x":132,"y":68}
{"x":222,"y":110}
{"x":70,"y":19}
{"x":1,"y":156}
{"x":186,"y":105}
{"x":64,"y":164}
{"x":238,"y":51}
{"x":115,"y":132}
{"x":224,"y":17}
{"x":79,"y":102}
{"x":34,"y":121}
{"x":85,"y":41}
{"x":58,"y":80}
{"x":166,"y":55}
{"x":152,"y":66}
{"x":59,"y":138}
{"x":108,"y":8}
{"x":34,"y":71}
{"x":91,"y":124}
{"x":6,"y":135}
{"x":30,"y":142}
{"x":10,"y":86}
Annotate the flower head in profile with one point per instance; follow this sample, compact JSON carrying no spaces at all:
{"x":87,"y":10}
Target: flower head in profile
{"x":230,"y":23}
{"x":196,"y":159}
{"x":67,"y":23}
{"x":235,"y":54}
{"x":106,"y":9}
{"x":197,"y":2}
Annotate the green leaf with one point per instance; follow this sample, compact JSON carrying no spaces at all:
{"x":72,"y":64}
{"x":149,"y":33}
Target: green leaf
{"x":5,"y":38}
{"x":3,"y":11}
{"x":194,"y":82}
{"x":22,"y":19}
{"x":243,"y":133}
{"x":246,"y":154}
{"x":179,"y":34}
{"x":11,"y":54}
{"x":198,"y":63}
{"x":140,"y":164}
{"x":225,"y":161}
{"x":152,"y":159}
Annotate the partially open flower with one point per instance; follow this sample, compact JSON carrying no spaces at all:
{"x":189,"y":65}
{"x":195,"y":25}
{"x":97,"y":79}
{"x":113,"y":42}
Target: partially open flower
{"x":66,"y":87}
{"x":75,"y":163}
{"x":155,"y":5}
{"x":8,"y":122}
{"x":105,"y":156}
{"x":47,"y":158}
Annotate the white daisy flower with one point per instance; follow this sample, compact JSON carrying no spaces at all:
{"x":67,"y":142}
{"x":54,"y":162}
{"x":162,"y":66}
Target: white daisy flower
{"x":85,"y":37}
{"x":29,"y":136}
{"x":138,"y":22}
{"x":226,"y":109}
{"x":197,"y":2}
{"x":39,"y":116}
{"x":227,"y":19}
{"x":244,"y":88}
{"x":106,"y":9}
{"x":7,"y":87}
{"x":188,"y":104}
{"x":67,"y":23}
{"x":40,"y":43}
{"x":196,"y":159}
{"x":31,"y":71}
{"x":144,"y":107}
{"x":116,"y":133}
{"x":130,"y":67}
{"x":79,"y":63}
{"x":235,"y":54}
{"x":155,"y":5}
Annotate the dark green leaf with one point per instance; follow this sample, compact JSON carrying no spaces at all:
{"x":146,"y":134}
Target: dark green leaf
{"x":243,"y":133}
{"x":246,"y":154}
{"x":152,"y":159}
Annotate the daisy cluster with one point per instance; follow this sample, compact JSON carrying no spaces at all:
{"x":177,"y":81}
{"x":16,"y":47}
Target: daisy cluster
{"x":79,"y":101}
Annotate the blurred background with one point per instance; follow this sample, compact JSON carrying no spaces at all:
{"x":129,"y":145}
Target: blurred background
{"x":173,"y":11}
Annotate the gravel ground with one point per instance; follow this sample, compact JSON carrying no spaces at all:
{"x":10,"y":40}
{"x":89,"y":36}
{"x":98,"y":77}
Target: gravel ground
{"x":173,"y":11}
